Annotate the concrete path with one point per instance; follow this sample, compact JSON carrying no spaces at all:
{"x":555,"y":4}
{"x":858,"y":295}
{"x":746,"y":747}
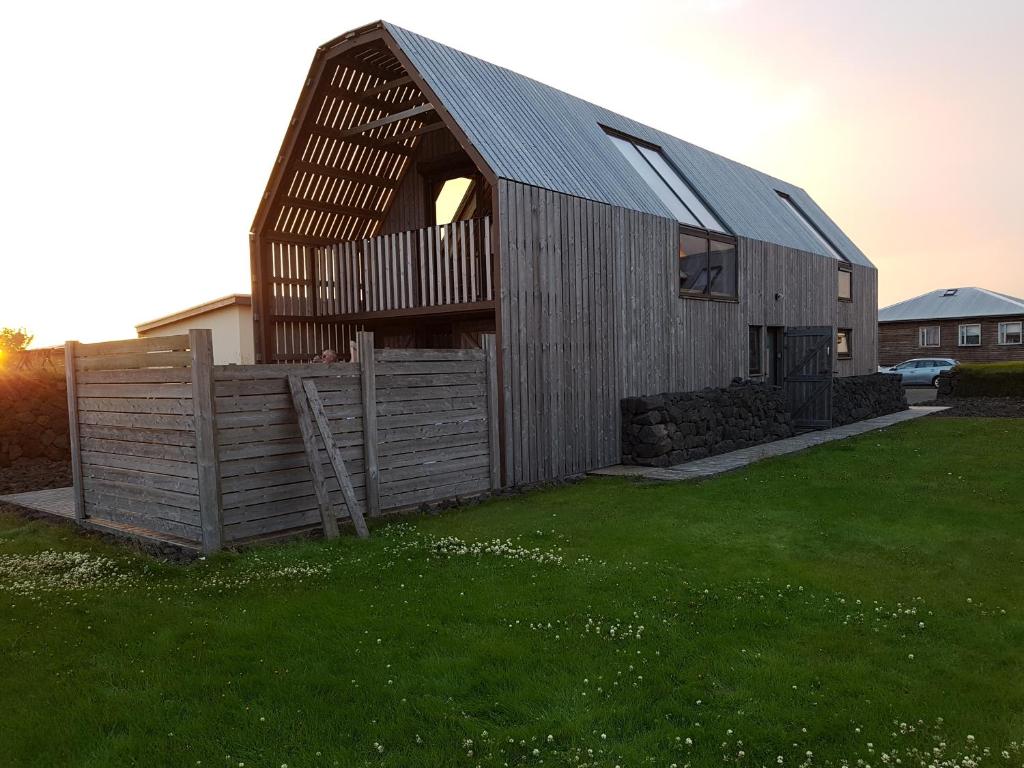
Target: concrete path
{"x":726,"y":462}
{"x":56,"y":501}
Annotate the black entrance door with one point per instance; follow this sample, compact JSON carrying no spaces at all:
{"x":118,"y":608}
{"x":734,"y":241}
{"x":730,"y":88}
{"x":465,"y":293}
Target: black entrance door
{"x":807,"y":357}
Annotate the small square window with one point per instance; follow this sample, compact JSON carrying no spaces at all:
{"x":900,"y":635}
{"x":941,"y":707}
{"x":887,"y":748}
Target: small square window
{"x":1011,"y":333}
{"x":843,"y":348}
{"x":970,"y":335}
{"x":928,"y":336}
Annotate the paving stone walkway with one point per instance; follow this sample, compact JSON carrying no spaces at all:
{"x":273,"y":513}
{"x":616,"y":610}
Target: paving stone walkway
{"x":726,"y":462}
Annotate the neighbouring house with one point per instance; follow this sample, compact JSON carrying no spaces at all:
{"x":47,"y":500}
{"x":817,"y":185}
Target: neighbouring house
{"x":230,"y":319}
{"x":973,"y":325}
{"x":429,"y":196}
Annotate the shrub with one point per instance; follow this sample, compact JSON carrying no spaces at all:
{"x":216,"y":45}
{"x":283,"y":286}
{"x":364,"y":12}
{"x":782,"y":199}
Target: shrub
{"x":986,"y":380}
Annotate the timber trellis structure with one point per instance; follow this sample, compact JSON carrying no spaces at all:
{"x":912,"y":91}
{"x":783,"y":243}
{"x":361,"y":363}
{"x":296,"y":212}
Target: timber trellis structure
{"x":167,"y":446}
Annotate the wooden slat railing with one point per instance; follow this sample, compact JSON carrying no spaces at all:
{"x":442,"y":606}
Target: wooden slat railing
{"x":433,"y":266}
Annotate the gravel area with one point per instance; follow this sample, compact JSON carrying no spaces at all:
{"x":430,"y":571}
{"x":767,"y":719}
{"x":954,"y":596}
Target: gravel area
{"x":986,"y":407}
{"x":34,"y":475}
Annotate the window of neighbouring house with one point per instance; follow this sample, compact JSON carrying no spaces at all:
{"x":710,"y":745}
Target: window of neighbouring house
{"x":754,"y":364}
{"x":845,"y":283}
{"x":666,"y":182}
{"x":1011,"y":333}
{"x":928,"y":336}
{"x":970,"y":335}
{"x":843,"y":349}
{"x":707,"y":265}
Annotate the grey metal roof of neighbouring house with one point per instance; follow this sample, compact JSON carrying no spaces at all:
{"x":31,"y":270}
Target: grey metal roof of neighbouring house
{"x":947,"y":303}
{"x":535,"y":134}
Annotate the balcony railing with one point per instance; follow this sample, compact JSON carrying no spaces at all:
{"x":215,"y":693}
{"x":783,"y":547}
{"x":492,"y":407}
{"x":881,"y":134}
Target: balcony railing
{"x":429,"y":267}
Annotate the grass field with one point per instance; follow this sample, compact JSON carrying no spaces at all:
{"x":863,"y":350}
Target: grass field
{"x":860,"y":602}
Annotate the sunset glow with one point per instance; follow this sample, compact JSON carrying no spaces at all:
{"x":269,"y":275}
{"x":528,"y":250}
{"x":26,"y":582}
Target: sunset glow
{"x":139,"y":139}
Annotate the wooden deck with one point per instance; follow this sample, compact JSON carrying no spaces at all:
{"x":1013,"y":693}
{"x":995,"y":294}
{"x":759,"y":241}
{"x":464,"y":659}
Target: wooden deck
{"x":60,"y":502}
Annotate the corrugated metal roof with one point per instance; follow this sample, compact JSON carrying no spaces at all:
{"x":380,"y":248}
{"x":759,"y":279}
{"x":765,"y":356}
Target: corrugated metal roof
{"x":965,"y":302}
{"x":535,"y":134}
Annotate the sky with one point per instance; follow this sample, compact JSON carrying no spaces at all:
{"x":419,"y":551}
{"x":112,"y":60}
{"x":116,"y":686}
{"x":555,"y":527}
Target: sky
{"x":138,"y":137}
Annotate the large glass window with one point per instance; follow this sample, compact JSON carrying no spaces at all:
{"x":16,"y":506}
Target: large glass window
{"x":667,"y":183}
{"x":1011,"y":333}
{"x":970,"y":335}
{"x":928,"y":336}
{"x":811,"y":227}
{"x":707,"y":266}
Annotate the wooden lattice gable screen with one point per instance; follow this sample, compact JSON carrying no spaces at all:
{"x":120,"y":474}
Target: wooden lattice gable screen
{"x":351,"y":140}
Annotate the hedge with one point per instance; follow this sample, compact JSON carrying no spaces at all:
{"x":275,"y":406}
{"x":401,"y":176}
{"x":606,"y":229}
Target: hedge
{"x":984,"y":380}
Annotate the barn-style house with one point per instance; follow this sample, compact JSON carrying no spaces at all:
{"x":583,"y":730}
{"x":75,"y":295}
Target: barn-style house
{"x":431,"y":197}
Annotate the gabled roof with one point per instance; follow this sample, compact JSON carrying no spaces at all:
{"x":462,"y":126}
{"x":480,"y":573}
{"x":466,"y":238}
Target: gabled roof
{"x":231,"y":300}
{"x":535,"y":134}
{"x":947,"y":303}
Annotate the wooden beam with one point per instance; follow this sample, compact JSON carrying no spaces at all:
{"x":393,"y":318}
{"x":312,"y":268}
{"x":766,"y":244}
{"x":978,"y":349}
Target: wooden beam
{"x":337,"y":173}
{"x":405,"y":114}
{"x":204,"y":403}
{"x":428,"y":128}
{"x":343,"y":210}
{"x":396,"y":314}
{"x":364,"y":340}
{"x":390,"y":85}
{"x":76,"y":439}
{"x":347,"y":491}
{"x":323,"y":499}
{"x":362,"y":141}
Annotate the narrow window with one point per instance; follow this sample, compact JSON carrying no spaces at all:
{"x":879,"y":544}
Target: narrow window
{"x":1011,"y":333}
{"x":970,"y":335}
{"x":754,"y":364}
{"x":928,"y":336}
{"x":845,"y":283}
{"x":707,"y":265}
{"x":811,"y":227}
{"x":843,"y":349}
{"x":666,"y":182}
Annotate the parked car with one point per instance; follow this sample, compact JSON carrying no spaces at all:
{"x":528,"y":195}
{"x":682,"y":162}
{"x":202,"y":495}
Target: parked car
{"x":921,"y":372}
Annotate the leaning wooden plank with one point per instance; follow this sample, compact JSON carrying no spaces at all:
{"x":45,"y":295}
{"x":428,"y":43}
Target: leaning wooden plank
{"x":177,"y":343}
{"x":337,"y":462}
{"x":138,"y":360}
{"x":301,"y":405}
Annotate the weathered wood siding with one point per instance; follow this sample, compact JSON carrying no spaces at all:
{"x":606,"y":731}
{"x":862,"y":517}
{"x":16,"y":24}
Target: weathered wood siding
{"x":902,"y":341}
{"x":137,"y":434}
{"x":590,"y":313}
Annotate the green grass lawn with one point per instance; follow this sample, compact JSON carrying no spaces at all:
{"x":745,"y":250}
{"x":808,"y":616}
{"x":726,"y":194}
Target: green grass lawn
{"x":862,"y":601}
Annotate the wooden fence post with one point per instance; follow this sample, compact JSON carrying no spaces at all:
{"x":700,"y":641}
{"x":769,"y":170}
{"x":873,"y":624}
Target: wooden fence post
{"x":211,"y":507}
{"x":70,"y":348}
{"x":493,"y":432}
{"x":367,"y":363}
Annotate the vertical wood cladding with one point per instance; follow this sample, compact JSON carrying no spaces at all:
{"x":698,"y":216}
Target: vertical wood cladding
{"x":901,"y":341}
{"x":590,"y":313}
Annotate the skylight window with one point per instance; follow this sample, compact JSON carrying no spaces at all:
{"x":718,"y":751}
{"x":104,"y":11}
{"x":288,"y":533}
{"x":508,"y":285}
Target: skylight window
{"x":950,"y":292}
{"x":818,"y":235}
{"x":667,"y":183}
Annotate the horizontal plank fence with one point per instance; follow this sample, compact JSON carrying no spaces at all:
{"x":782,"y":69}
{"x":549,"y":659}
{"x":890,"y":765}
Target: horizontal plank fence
{"x":168,"y":445}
